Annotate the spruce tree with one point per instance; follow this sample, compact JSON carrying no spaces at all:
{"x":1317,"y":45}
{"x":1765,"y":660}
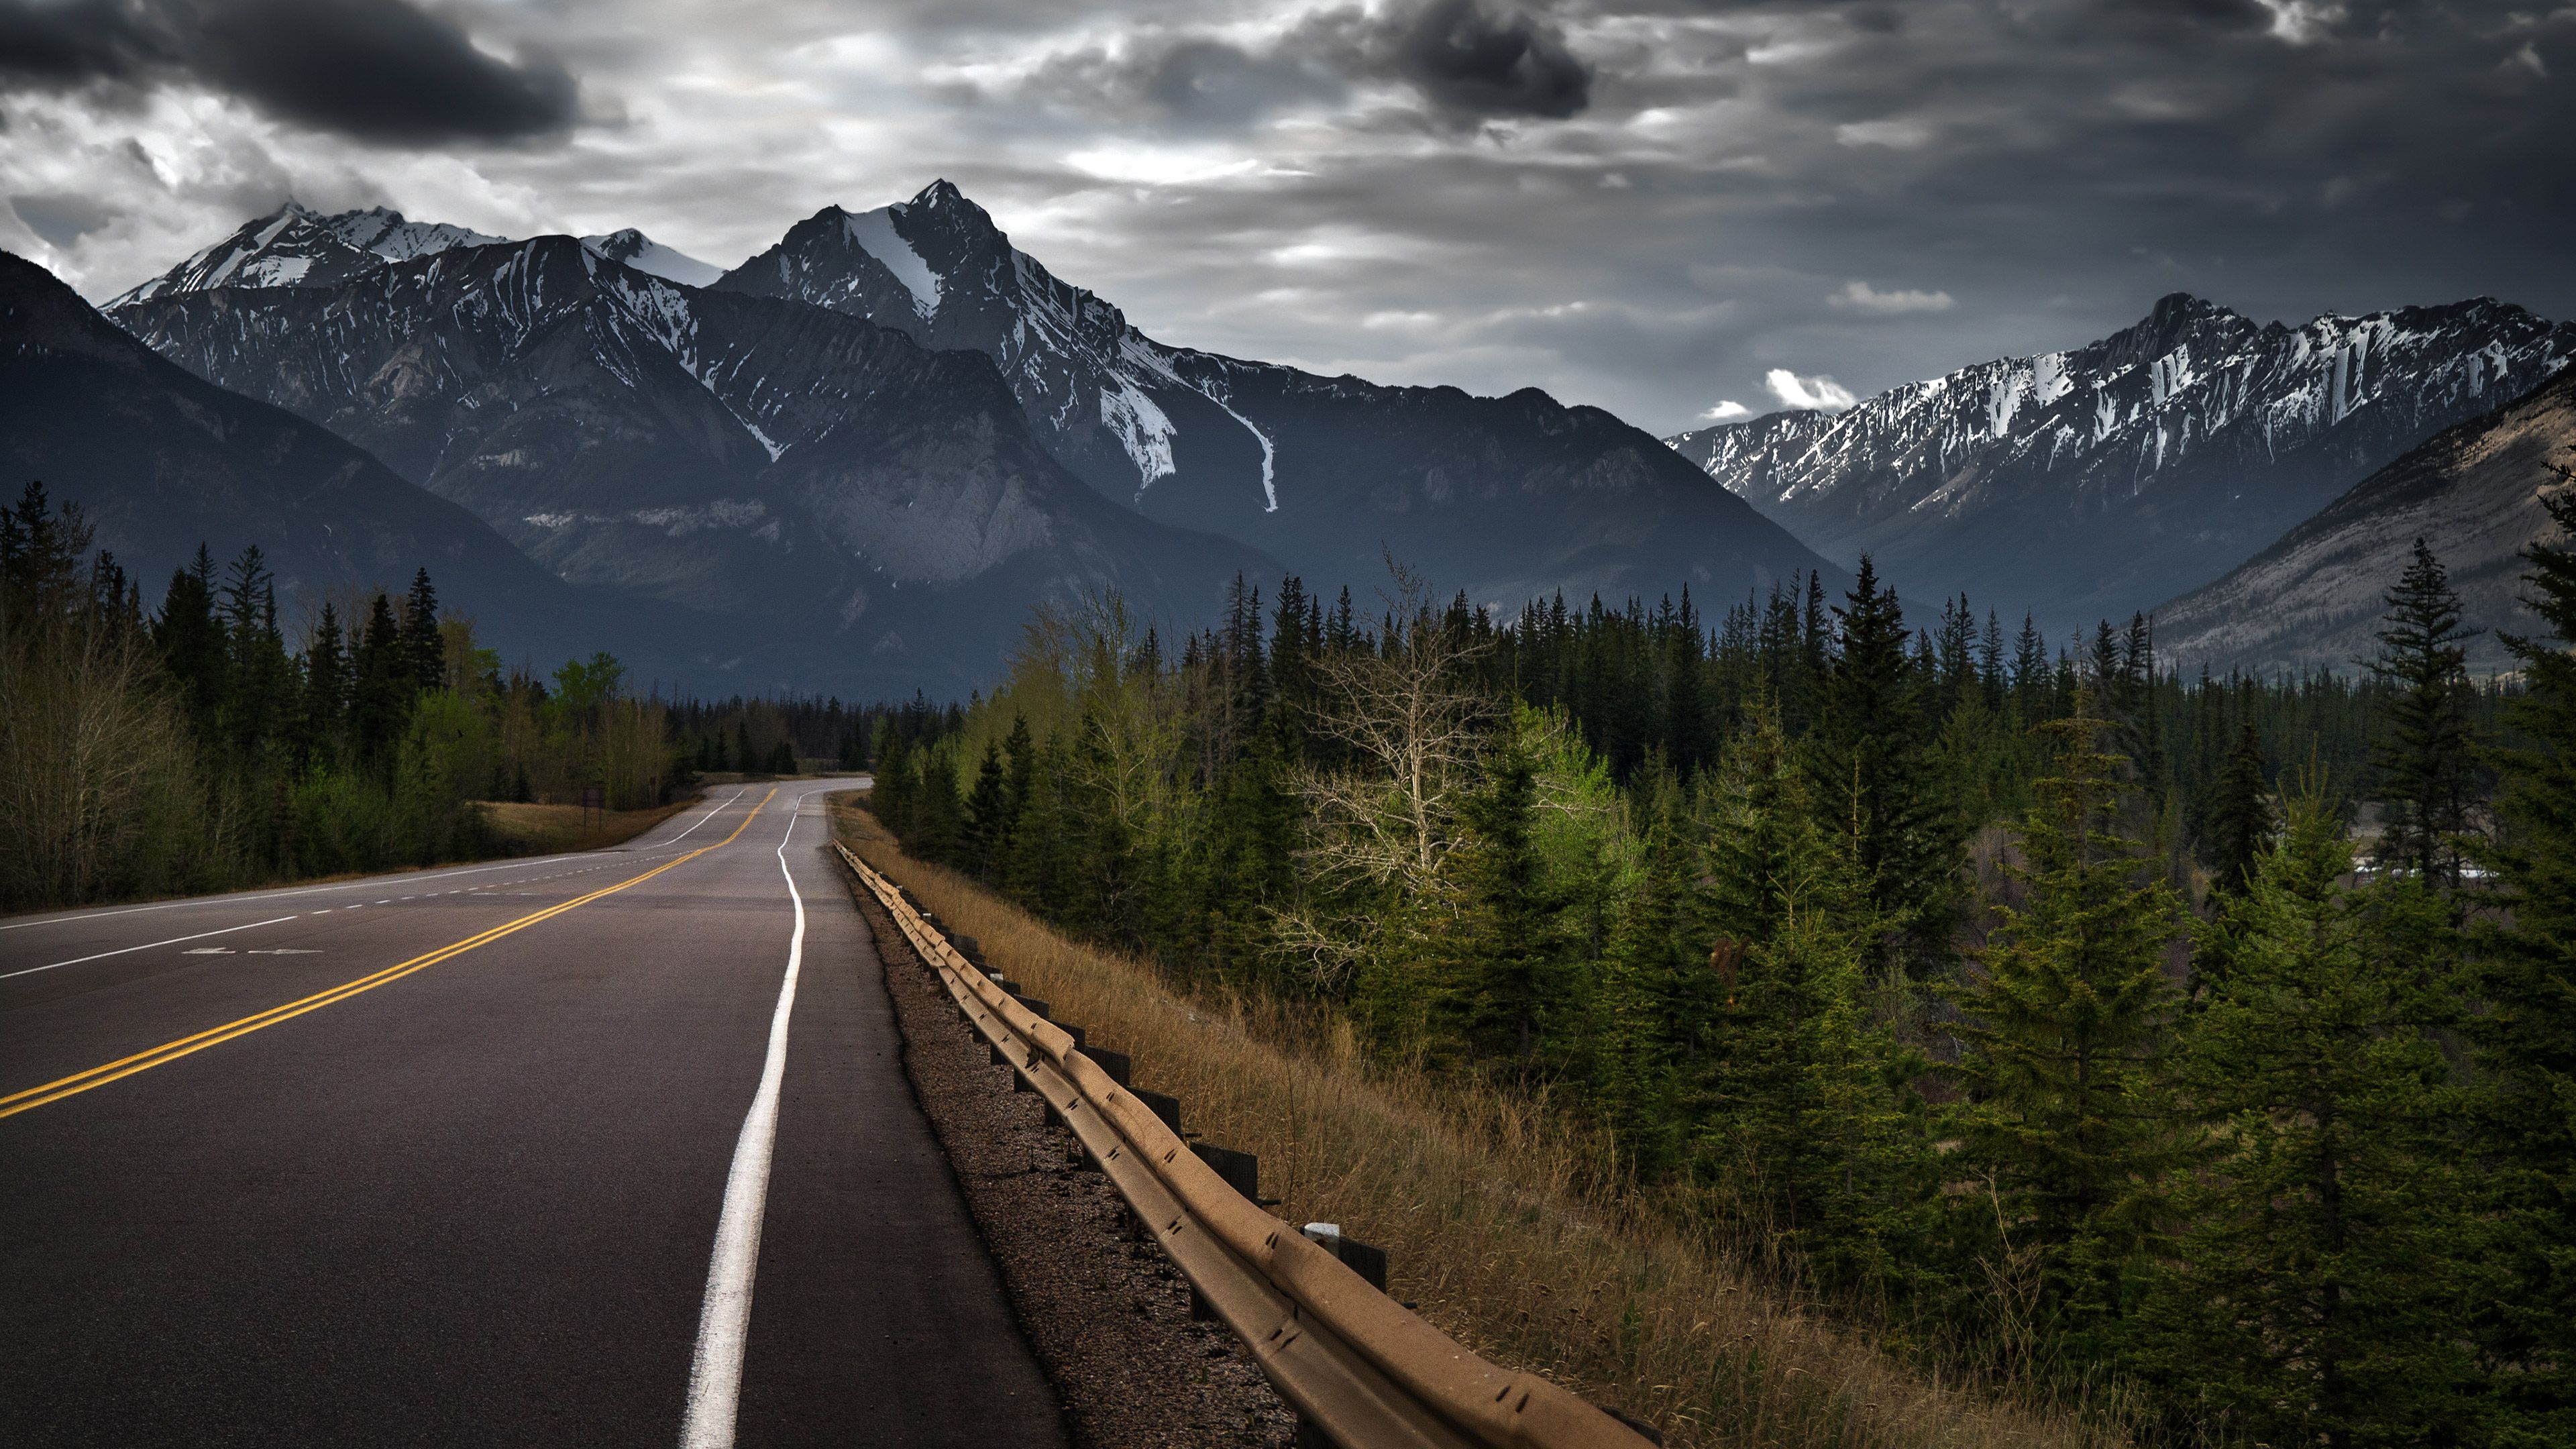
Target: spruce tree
{"x":1659,"y":1005}
{"x":2063,"y":1028}
{"x":2427,"y":762}
{"x":1498,"y":953}
{"x":326,"y":685}
{"x":2314,"y":1293}
{"x":2525,"y":1038}
{"x":986,"y":831}
{"x":424,"y":651}
{"x":381,"y":690}
{"x":192,"y":643}
{"x":1874,"y":775}
{"x":1808,"y":1116}
{"x":2240,"y":815}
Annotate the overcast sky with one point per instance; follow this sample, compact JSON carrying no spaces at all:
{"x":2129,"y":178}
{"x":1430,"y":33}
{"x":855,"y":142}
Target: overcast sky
{"x":1660,"y":208}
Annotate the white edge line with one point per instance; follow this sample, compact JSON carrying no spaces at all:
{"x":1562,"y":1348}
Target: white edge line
{"x":354,"y":885}
{"x":724,"y":1323}
{"x":710,"y":815}
{"x":146,"y":946}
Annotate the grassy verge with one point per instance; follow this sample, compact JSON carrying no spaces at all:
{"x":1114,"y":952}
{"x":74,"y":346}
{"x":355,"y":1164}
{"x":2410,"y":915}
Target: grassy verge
{"x":1481,"y":1204}
{"x":556,"y":829}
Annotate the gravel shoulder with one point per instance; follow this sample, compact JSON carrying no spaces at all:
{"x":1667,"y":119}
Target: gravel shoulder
{"x":1106,"y":1311}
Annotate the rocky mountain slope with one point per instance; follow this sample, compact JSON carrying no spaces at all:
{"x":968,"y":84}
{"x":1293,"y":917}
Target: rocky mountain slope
{"x":1506,"y":497}
{"x":2472,"y":493}
{"x":163,"y":461}
{"x":818,"y":479}
{"x":2105,"y":479}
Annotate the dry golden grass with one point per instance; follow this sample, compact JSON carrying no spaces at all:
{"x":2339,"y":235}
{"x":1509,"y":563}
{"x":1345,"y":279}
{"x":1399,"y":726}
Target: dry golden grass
{"x":555,"y":829}
{"x":1480,"y":1202}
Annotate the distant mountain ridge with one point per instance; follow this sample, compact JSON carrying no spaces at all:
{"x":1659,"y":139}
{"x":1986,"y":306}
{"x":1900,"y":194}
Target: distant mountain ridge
{"x":163,"y":461}
{"x":2105,"y":479}
{"x":759,"y":460}
{"x":2315,"y":597}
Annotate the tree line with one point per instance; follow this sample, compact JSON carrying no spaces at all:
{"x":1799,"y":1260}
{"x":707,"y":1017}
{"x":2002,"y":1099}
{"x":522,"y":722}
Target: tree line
{"x":2208,"y":1044}
{"x":206,"y":743}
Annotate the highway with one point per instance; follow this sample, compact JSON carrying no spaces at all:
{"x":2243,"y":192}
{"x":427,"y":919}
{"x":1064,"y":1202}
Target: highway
{"x":612,"y":1148}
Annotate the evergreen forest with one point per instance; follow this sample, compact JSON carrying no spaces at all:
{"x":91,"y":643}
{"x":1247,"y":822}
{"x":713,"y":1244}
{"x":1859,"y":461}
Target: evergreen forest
{"x":2200,"y":1043}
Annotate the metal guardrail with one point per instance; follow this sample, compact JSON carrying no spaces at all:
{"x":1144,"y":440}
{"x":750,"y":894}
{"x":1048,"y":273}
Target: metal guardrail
{"x":1355,"y":1364}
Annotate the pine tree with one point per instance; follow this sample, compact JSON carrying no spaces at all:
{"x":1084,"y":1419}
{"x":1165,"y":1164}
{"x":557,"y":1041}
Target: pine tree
{"x":1873,"y":771}
{"x":2240,"y":816}
{"x":424,"y":652}
{"x":2427,"y":763}
{"x":380,"y":695}
{"x":192,"y":643}
{"x":1499,"y":950}
{"x":2525,"y":1039}
{"x":1659,"y":1005}
{"x":1796,"y":1092}
{"x":2315,"y":1290}
{"x":2062,"y":1033}
{"x":326,"y":684}
{"x":986,"y":832}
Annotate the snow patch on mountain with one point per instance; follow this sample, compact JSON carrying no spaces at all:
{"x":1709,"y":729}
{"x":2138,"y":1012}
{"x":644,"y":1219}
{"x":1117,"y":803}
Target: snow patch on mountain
{"x":875,"y":234}
{"x":1141,"y":427}
{"x":633,"y":248}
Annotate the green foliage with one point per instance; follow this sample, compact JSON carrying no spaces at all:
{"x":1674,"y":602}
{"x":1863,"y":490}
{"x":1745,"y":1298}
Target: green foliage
{"x":2067,"y":1018}
{"x":2524,"y":1038}
{"x":1874,"y":774}
{"x":1708,"y":893}
{"x":202,"y":748}
{"x":2427,"y":764}
{"x":2314,"y":1290}
{"x":2241,"y":820}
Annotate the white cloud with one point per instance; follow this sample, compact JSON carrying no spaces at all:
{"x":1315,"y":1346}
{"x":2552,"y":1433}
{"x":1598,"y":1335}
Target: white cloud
{"x":1896,"y":135}
{"x":2529,"y":59}
{"x":1818,"y":394}
{"x":2301,"y":22}
{"x":1859,"y":296}
{"x":1725,"y":411}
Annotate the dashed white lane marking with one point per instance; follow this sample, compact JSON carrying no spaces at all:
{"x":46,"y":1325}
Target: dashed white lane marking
{"x":146,"y":946}
{"x":724,"y":1324}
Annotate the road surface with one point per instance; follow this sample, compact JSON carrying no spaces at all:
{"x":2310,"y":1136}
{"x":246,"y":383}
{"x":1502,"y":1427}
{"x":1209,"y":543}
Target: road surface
{"x":612,"y":1148}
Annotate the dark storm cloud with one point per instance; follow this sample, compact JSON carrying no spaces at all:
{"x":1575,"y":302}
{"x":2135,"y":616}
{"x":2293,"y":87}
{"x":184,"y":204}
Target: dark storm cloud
{"x":1645,"y":204}
{"x":377,"y":70}
{"x":1471,"y":62}
{"x":1188,"y":81}
{"x":60,"y":220}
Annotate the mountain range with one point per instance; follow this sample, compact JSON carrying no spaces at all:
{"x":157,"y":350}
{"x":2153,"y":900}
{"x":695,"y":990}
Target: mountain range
{"x":2109,"y":478}
{"x":857,"y":460}
{"x":890,"y":435}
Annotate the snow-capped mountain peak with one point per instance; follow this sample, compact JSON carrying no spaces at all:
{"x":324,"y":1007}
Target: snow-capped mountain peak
{"x":633,"y":248}
{"x":2112,"y":476}
{"x":295,"y":246}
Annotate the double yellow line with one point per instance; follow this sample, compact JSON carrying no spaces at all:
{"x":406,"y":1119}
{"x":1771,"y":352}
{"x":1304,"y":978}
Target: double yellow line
{"x":100,"y":1076}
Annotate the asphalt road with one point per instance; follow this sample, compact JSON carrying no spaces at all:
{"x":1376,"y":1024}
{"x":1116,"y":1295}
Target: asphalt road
{"x":612,"y":1148}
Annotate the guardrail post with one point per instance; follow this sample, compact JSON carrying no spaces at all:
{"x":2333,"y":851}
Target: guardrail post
{"x":1116,"y":1064}
{"x":1161,"y":1105}
{"x":1367,"y":1260}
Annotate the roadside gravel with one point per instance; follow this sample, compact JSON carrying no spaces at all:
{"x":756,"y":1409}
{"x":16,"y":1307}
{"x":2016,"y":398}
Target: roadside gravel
{"x":1106,"y":1311}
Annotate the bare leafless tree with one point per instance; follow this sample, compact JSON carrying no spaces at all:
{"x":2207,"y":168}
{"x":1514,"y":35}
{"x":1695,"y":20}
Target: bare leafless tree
{"x":1413,"y":725}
